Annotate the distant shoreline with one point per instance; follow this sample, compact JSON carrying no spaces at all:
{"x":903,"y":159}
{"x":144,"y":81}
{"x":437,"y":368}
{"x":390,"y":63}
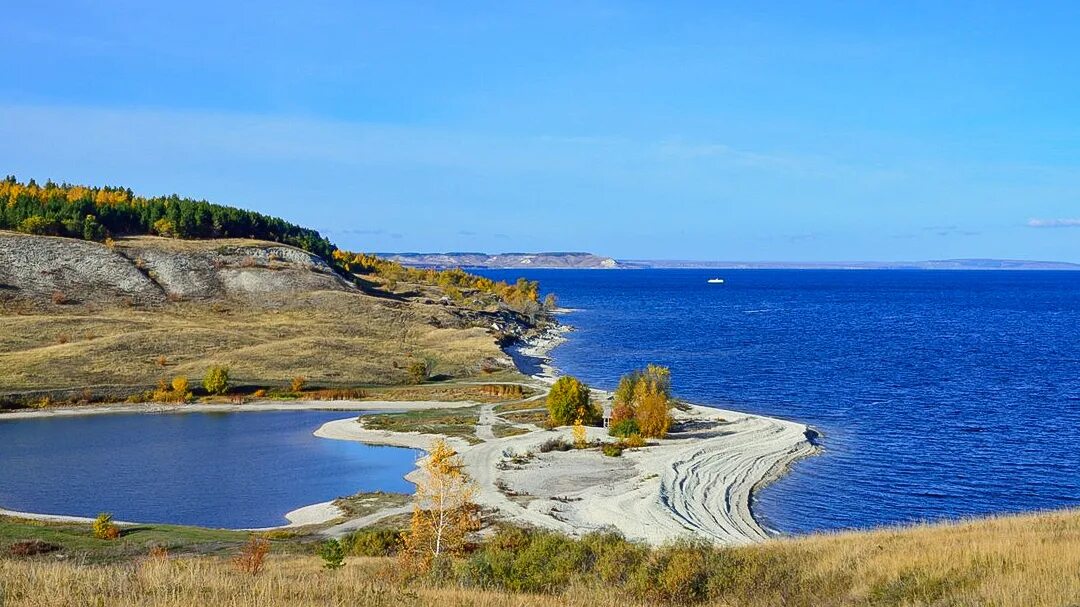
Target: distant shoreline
{"x":589,"y":261}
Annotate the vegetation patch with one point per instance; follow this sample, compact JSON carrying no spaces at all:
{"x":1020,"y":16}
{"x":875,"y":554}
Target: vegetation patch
{"x":506,"y":430}
{"x":1022,"y":561}
{"x":536,"y":417}
{"x":132,"y":541}
{"x":363,"y":504}
{"x":458,"y":422}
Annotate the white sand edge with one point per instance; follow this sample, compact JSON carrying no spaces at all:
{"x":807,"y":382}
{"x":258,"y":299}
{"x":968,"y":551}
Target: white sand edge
{"x":697,"y":483}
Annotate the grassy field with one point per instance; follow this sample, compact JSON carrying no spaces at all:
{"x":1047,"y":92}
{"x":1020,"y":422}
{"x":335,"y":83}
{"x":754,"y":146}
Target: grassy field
{"x":328,"y":337}
{"x":1014,"y":561}
{"x":459,"y":422}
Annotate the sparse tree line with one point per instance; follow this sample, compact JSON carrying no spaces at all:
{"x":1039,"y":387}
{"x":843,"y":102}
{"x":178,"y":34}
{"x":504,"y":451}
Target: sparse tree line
{"x":522,"y":296}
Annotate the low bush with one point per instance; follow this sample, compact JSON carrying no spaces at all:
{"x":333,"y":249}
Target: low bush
{"x":418,"y":372}
{"x":625,"y":428}
{"x":332,"y":554}
{"x":526,"y":561}
{"x":31,"y":548}
{"x":502,"y":390}
{"x":297,"y":383}
{"x":555,"y":444}
{"x":104,"y":528}
{"x":372,"y":542}
{"x":678,"y":573}
{"x":252,"y":556}
{"x":612,"y":449}
{"x":634,"y":441}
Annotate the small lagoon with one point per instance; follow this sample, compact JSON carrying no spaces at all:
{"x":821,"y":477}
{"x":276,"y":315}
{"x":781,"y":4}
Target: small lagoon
{"x":229,"y":470}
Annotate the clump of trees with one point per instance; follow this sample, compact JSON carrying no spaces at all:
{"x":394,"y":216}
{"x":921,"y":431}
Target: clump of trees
{"x":643,"y":403}
{"x":443,"y":512}
{"x":569,"y":401}
{"x":175,"y":391}
{"x":94,"y":213}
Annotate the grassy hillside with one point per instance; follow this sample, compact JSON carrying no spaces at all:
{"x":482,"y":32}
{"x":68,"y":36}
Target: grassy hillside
{"x":1013,"y":561}
{"x":77,"y":314}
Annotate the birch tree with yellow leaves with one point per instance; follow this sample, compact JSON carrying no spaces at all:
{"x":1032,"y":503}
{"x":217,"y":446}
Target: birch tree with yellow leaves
{"x":443,"y":511}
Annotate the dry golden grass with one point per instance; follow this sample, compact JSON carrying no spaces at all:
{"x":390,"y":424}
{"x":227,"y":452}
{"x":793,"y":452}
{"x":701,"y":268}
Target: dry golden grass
{"x":1023,"y":560}
{"x":1017,"y":561}
{"x":329,"y":337}
{"x":212,"y":582}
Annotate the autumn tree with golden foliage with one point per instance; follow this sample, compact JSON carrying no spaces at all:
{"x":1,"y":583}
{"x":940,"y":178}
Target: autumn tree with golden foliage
{"x":653,"y":410}
{"x":645,"y":397}
{"x":443,"y":512}
{"x":104,"y":528}
{"x":568,"y":401}
{"x":297,"y":383}
{"x":581,"y":436}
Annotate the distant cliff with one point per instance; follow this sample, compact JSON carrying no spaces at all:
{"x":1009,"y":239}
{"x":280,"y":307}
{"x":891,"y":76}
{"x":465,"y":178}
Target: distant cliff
{"x":505,"y":260}
{"x":592,"y":261}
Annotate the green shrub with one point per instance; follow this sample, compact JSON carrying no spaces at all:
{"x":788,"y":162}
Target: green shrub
{"x":611,"y":449}
{"x":615,"y":557}
{"x":372,"y":542}
{"x":36,"y":224}
{"x":624,"y":428}
{"x":332,"y":553}
{"x":677,"y":573}
{"x":527,"y":561}
{"x":216,"y":380}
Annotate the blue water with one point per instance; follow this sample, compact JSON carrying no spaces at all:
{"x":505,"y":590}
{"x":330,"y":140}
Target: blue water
{"x":230,"y":470}
{"x":939,"y":394}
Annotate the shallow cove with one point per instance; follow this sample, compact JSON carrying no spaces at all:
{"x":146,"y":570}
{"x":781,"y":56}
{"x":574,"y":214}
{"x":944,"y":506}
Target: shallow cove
{"x":230,"y":470}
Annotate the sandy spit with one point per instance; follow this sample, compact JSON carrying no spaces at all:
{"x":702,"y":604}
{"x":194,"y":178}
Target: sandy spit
{"x":698,"y":482}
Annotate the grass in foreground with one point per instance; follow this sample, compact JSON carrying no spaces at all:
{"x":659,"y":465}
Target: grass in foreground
{"x":1016,"y":561}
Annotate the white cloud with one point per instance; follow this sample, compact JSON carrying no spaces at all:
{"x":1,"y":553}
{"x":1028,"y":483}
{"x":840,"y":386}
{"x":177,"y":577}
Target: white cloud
{"x":1053,"y":223}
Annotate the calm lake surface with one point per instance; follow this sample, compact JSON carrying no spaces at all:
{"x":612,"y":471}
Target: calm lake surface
{"x":231,"y":470}
{"x":940,"y":394}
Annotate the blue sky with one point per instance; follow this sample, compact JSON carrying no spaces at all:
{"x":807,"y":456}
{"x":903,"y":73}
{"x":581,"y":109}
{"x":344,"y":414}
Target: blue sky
{"x":750,"y":131}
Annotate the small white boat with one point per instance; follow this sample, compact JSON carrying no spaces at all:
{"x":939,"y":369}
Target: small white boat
{"x":716,"y":281}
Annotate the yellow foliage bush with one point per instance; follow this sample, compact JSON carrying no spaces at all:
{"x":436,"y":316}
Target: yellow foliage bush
{"x":297,"y":384}
{"x":104,"y":528}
